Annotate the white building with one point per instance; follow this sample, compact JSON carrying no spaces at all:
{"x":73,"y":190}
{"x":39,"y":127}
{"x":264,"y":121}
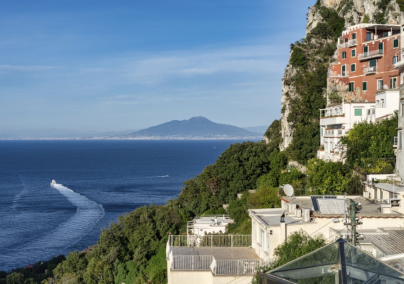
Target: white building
{"x":209,"y":225}
{"x":314,"y":215}
{"x":337,"y":120}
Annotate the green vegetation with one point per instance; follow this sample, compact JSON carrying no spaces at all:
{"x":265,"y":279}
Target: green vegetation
{"x":297,"y":244}
{"x":34,"y":274}
{"x":311,"y":57}
{"x":369,"y":145}
{"x":380,"y":15}
{"x":366,"y":19}
{"x":400,"y":4}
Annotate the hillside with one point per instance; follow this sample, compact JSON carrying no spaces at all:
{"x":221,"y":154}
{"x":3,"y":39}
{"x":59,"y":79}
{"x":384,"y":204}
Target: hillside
{"x":193,"y":128}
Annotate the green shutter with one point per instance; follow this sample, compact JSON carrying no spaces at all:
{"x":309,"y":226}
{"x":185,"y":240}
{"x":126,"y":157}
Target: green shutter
{"x":364,"y":86}
{"x":358,"y":112}
{"x":395,"y":44}
{"x":353,"y":67}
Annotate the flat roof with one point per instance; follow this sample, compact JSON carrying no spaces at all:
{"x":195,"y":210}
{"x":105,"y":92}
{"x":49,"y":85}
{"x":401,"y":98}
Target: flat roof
{"x":271,"y":217}
{"x":220,"y":253}
{"x":389,"y":187}
{"x":369,"y":207}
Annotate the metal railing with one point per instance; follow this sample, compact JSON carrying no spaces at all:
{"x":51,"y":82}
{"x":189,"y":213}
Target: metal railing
{"x":332,"y":74}
{"x":191,"y":262}
{"x":211,"y":240}
{"x":370,"y":70}
{"x":370,"y":54}
{"x":235,"y":267}
{"x":352,"y":42}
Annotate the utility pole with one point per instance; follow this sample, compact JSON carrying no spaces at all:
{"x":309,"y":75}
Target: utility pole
{"x":352,"y":221}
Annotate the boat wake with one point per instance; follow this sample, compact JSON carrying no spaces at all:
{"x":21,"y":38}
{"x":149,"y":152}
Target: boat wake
{"x":87,"y":215}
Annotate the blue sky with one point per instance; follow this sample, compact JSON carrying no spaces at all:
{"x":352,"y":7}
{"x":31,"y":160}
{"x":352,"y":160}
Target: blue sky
{"x":97,"y":66}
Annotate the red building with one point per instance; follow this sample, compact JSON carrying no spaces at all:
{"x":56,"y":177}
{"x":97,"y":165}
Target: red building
{"x":365,"y":63}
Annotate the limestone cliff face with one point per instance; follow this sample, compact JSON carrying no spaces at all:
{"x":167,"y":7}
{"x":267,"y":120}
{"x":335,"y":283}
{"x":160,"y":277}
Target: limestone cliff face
{"x":354,"y":12}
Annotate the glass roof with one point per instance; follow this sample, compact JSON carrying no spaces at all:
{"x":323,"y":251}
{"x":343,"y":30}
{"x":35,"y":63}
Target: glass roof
{"x":339,"y":262}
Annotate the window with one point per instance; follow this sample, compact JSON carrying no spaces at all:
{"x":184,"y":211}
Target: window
{"x":343,"y":70}
{"x":331,"y":146}
{"x":344,"y":55}
{"x":369,"y":36}
{"x":400,"y":139}
{"x":267,"y":243}
{"x":364,"y":86}
{"x":354,"y":36}
{"x":380,"y":47}
{"x":358,"y":112}
{"x":353,"y":67}
{"x":382,"y":102}
{"x":395,"y":59}
{"x":365,"y":50}
{"x":353,"y":53}
{"x":393,"y":83}
{"x":379,"y":85}
{"x":351,"y":87}
{"x":395,"y":43}
{"x":262,"y":238}
{"x":373,"y":63}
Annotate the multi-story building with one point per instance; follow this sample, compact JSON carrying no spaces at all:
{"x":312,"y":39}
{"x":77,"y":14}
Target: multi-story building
{"x":362,"y":83}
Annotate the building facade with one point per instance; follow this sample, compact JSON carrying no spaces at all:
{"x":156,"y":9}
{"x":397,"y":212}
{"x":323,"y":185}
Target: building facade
{"x":362,"y":85}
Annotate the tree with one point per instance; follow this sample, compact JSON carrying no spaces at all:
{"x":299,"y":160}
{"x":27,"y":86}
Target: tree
{"x":15,"y":278}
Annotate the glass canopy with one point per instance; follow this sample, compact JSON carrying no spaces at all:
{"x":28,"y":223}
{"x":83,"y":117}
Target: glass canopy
{"x":339,"y":262}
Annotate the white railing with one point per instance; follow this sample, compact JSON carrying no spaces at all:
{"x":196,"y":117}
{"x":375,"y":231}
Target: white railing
{"x":370,"y":70}
{"x":218,"y":267}
{"x":370,"y":54}
{"x":342,"y":45}
{"x":236,"y":267}
{"x":352,"y":42}
{"x":337,"y":74}
{"x":210,"y":240}
{"x":191,"y":262}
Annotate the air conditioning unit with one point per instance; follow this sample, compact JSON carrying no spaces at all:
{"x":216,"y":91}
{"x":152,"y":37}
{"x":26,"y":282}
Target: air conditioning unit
{"x":299,"y":213}
{"x":306,"y":215}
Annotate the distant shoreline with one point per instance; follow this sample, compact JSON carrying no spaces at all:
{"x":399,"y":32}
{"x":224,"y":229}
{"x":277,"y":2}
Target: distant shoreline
{"x":130,"y":139}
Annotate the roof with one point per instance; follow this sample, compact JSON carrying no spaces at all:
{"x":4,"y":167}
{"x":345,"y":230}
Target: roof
{"x":338,"y":262}
{"x":213,"y":220}
{"x":330,"y":209}
{"x":388,"y":242}
{"x":271,"y":217}
{"x":389,"y":187}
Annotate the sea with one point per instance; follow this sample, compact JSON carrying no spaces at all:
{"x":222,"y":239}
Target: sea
{"x":97,"y":181}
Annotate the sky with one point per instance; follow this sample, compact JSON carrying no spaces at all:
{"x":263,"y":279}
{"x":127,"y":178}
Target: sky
{"x":75,"y":66}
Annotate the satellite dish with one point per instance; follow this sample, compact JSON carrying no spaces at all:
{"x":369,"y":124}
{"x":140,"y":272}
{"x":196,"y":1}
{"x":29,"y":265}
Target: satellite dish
{"x":288,"y":189}
{"x":385,"y":87}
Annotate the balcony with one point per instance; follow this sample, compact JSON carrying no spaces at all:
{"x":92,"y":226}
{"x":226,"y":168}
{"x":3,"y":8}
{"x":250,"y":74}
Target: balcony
{"x":352,"y":42}
{"x":371,"y":54}
{"x":370,"y":70}
{"x":335,"y":74}
{"x":395,"y":141}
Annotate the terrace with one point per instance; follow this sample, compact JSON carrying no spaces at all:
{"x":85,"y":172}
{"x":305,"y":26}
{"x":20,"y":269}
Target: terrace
{"x":220,"y":254}
{"x":370,"y":54}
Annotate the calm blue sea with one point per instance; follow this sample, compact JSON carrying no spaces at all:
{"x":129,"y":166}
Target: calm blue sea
{"x":97,"y":182}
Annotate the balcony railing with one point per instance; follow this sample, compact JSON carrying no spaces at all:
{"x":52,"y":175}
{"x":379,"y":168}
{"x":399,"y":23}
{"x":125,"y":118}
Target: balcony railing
{"x":371,"y":54}
{"x":333,"y":74}
{"x":211,"y":240}
{"x":352,"y":42}
{"x":218,"y":267}
{"x":370,"y":70}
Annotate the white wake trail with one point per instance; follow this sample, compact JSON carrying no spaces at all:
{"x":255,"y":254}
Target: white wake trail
{"x":58,"y":241}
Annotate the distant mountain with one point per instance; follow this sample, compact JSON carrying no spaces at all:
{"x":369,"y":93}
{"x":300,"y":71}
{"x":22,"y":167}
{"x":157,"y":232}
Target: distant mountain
{"x":194,"y":128}
{"x":257,"y":129}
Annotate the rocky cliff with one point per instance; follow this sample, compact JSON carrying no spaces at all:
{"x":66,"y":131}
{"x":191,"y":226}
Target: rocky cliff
{"x":314,"y":52}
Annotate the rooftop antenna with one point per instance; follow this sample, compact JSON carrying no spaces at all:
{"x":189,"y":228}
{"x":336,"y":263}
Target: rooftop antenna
{"x":288,"y":189}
